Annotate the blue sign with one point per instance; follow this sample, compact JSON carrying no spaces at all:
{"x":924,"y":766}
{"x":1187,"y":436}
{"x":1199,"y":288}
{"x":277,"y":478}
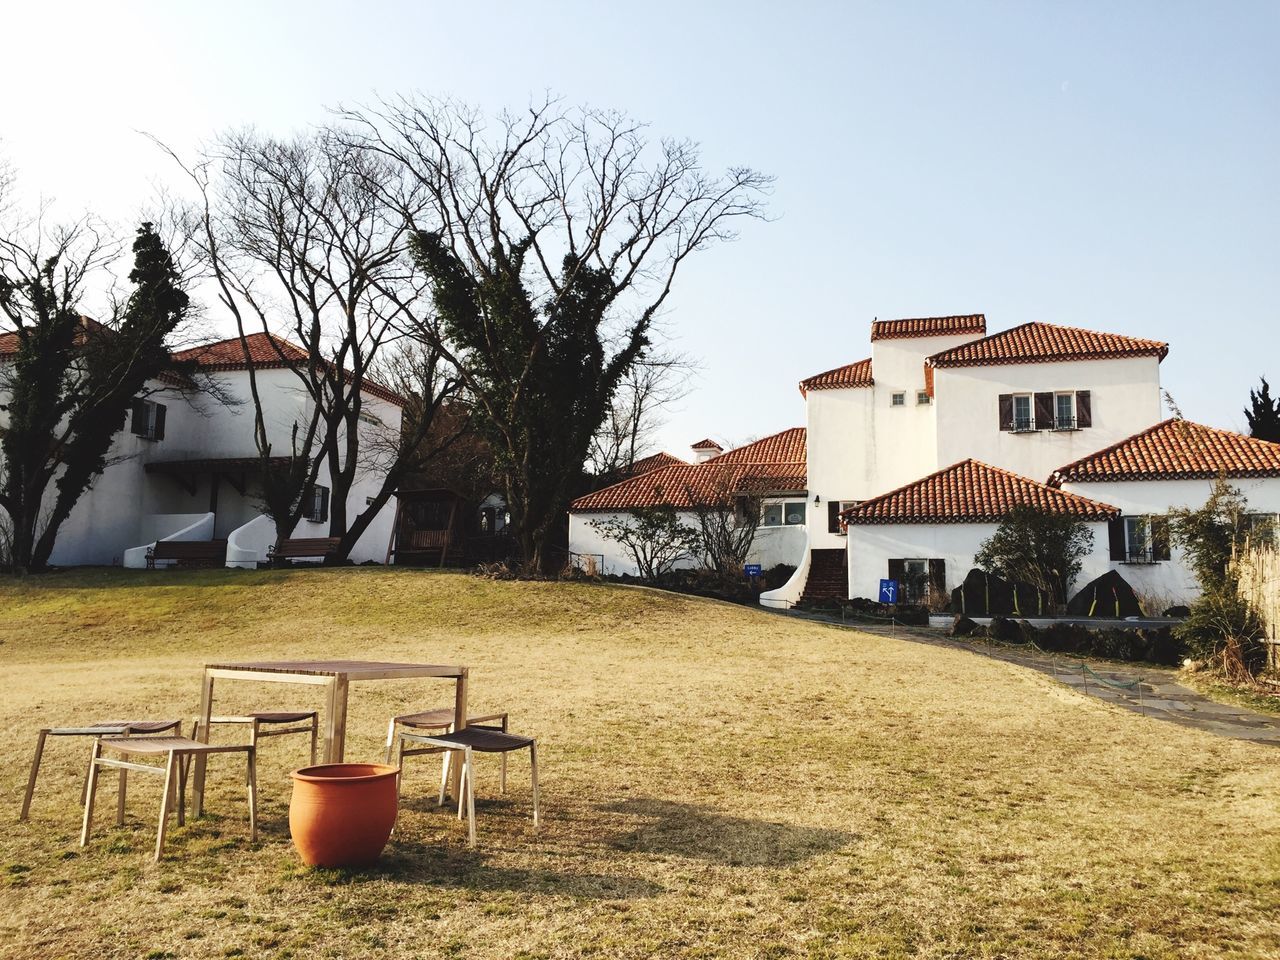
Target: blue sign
{"x":752,"y":569}
{"x":888,"y":591}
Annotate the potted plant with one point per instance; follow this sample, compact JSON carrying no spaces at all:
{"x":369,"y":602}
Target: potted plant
{"x":341,"y":814}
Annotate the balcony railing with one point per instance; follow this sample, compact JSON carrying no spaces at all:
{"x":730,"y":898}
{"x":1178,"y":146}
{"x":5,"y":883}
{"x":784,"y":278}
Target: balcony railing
{"x":1024,"y":425}
{"x":1065,"y":423}
{"x":1140,"y":555}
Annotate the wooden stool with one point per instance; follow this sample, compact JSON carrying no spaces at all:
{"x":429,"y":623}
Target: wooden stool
{"x":107,"y":728}
{"x":482,"y":740}
{"x":177,"y":752}
{"x":270,"y":719}
{"x":441,"y":718}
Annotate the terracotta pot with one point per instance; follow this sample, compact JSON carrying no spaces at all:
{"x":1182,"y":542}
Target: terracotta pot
{"x":341,"y":814}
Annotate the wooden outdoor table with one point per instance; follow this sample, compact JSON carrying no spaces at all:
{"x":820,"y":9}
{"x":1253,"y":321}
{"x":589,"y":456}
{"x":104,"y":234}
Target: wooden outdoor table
{"x":337,"y":675}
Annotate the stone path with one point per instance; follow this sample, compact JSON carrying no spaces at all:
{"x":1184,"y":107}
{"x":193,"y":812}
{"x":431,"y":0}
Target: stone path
{"x":1157,"y":694}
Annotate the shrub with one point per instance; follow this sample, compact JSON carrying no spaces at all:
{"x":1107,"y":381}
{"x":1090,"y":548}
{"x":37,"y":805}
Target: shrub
{"x":778,"y":575}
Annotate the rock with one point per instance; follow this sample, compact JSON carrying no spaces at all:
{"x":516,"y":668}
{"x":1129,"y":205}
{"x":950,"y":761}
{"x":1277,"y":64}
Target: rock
{"x":1108,"y":596}
{"x":962,"y":626}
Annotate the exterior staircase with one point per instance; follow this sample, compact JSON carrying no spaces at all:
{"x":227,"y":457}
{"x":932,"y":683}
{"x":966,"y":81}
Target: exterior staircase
{"x":828,"y":578}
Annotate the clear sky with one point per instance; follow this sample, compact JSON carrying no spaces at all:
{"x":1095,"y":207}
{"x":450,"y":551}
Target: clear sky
{"x":1111,"y":166}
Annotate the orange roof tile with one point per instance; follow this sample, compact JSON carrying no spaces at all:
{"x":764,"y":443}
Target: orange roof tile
{"x":971,"y":492}
{"x":705,"y":445}
{"x":774,"y":464}
{"x":265,"y":351}
{"x":975,"y":323}
{"x":1043,"y":343}
{"x":850,"y":375}
{"x":1176,"y":450}
{"x":653,"y":462}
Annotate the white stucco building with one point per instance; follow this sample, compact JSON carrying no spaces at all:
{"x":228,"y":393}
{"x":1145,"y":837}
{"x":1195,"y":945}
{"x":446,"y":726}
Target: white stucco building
{"x":185,"y":466}
{"x":913,"y":455}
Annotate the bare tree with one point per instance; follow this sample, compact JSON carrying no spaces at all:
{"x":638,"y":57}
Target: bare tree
{"x":300,"y":237}
{"x":550,"y":240}
{"x":728,"y":501}
{"x":655,"y":383}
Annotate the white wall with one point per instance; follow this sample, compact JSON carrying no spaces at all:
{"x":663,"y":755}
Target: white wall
{"x":772,"y":545}
{"x":118,"y":510}
{"x":1170,"y":581}
{"x":1125,"y":400}
{"x":872,"y":546}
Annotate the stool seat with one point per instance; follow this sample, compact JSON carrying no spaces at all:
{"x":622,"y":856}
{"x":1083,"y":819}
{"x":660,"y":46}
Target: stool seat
{"x":152,"y":746}
{"x":268,"y":716}
{"x":440,"y":717}
{"x":106,"y":728}
{"x":481,"y":739}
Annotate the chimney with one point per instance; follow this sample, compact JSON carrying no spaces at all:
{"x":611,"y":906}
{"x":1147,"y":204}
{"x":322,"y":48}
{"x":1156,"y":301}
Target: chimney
{"x":704,"y":450}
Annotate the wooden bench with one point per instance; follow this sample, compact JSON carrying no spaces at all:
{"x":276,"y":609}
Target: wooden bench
{"x":188,"y":553}
{"x":303,"y":548}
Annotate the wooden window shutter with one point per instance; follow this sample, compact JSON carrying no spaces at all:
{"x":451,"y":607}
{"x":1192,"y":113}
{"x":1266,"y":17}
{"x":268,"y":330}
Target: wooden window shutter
{"x":1044,"y":411}
{"x":1084,"y":409}
{"x":138,"y":419}
{"x":1006,"y":411}
{"x":159,"y":429}
{"x":323,"y":494}
{"x":833,"y":516}
{"x":937,"y":578}
{"x":898,"y":570}
{"x":1159,"y":538}
{"x":1116,"y":539}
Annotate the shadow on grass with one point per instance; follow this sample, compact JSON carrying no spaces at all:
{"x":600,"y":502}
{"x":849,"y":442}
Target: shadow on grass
{"x":699,"y":832}
{"x":448,"y":867}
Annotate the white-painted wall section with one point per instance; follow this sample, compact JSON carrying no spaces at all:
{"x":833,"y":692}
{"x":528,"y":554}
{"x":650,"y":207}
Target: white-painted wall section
{"x":126,"y":506}
{"x":1125,"y":399}
{"x":1171,"y":581}
{"x":872,"y":546}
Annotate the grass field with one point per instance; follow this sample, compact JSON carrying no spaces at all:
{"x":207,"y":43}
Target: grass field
{"x":719,"y":782}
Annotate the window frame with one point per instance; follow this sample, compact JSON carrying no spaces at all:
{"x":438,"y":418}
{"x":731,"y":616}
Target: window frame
{"x":1070,"y":423}
{"x":923,"y":399}
{"x":898,"y":398}
{"x":1027,"y":424}
{"x":153,"y":429}
{"x":315,"y":505}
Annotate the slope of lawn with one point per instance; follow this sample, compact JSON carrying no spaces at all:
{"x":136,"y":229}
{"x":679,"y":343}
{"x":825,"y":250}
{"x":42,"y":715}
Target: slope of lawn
{"x":718,"y":782}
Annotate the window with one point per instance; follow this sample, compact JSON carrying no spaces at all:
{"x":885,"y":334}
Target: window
{"x":315,"y":504}
{"x":1064,"y":411}
{"x":147,"y":420}
{"x":783,"y":514}
{"x":1262,"y":528}
{"x":923,"y":398}
{"x":1022,"y":420}
{"x":1146,"y":539}
{"x":899,"y":400}
{"x":370,"y":419}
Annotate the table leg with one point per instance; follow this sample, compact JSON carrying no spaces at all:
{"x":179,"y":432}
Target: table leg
{"x":459,"y":723}
{"x":197,"y":778}
{"x":336,"y":722}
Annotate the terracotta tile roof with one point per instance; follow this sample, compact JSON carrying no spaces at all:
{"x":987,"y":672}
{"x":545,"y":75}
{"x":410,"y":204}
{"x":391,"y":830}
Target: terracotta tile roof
{"x":971,"y":492}
{"x":265,"y":352}
{"x":787,"y":446}
{"x":9,"y":340}
{"x":1043,"y":343}
{"x":653,"y":462}
{"x":774,"y":464}
{"x":975,"y":323}
{"x":705,"y":445}
{"x":850,"y":375}
{"x":1176,"y":450}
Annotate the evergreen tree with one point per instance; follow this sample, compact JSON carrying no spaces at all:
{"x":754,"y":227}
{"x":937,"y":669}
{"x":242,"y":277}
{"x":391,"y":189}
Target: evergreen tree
{"x":1263,"y":414}
{"x":71,"y":385}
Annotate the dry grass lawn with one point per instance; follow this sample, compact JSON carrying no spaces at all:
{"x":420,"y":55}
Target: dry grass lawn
{"x":719,"y":782}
